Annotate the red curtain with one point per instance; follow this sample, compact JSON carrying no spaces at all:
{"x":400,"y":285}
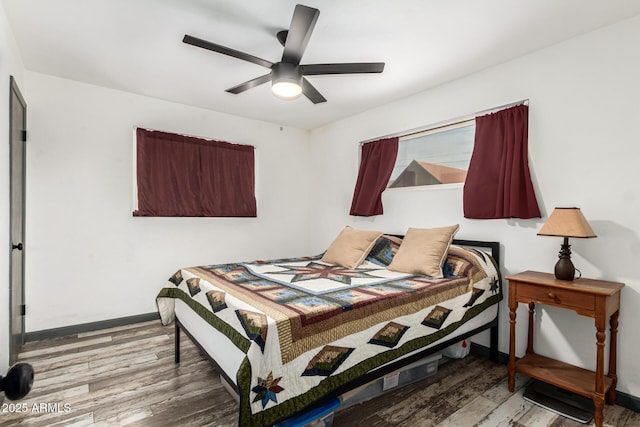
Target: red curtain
{"x":498,"y":183}
{"x":186,"y":176}
{"x":376,"y":165}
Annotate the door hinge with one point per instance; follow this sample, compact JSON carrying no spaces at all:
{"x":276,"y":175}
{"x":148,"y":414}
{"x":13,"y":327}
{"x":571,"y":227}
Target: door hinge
{"x":23,"y":310}
{"x":24,"y":135}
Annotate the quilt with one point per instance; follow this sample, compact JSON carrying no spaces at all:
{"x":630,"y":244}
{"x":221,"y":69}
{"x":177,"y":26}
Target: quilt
{"x":308,"y":327}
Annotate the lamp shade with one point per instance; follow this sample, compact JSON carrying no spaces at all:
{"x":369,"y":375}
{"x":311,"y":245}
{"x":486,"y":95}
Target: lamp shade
{"x":567,"y":222}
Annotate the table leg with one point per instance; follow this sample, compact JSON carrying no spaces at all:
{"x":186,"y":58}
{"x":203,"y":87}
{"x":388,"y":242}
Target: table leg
{"x":511,"y":365}
{"x":598,"y":396}
{"x":598,"y":416}
{"x":613,"y":353}
{"x":532,"y":310}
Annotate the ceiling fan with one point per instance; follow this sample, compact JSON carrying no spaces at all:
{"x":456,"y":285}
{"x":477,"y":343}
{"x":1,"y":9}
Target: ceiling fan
{"x":287,"y":76}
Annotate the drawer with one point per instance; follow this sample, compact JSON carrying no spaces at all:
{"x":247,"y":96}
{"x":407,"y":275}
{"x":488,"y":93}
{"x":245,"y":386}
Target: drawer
{"x":555,"y":296}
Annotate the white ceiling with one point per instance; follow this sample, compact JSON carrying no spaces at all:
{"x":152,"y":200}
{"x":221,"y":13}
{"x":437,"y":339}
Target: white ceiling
{"x":136,"y":46}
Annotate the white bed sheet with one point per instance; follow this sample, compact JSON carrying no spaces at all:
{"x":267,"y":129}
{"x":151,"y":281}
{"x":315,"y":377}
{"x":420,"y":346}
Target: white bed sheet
{"x":216,"y":344}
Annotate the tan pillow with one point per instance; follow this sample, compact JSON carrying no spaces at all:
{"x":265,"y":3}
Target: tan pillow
{"x":423,"y":251}
{"x":351,"y":247}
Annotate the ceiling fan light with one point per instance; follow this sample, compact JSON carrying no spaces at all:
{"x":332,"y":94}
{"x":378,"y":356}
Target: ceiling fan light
{"x":286,"y":80}
{"x":286,"y":90}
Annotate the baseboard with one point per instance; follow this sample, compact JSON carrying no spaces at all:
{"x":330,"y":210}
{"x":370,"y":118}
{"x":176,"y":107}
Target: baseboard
{"x":628,"y":401}
{"x":623,"y":399}
{"x":88,"y":327}
{"x":482,"y":351}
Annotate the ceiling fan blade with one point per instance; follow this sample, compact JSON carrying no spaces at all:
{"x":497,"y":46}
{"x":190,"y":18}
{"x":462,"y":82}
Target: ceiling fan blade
{"x":302,"y":24}
{"x":346,"y":68}
{"x":249,"y":84}
{"x":311,"y":92}
{"x":194,"y":41}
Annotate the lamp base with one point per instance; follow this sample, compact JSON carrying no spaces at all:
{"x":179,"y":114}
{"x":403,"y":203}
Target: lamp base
{"x":564,"y":268}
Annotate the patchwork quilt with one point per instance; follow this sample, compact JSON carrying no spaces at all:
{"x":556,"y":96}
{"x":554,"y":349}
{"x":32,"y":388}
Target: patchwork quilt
{"x":308,"y":327}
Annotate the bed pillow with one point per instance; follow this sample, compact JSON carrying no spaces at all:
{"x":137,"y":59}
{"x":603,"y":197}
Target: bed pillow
{"x":423,"y":251}
{"x":351,"y":247}
{"x":384,"y":249}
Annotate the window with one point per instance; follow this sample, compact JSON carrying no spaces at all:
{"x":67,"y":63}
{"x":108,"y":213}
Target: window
{"x":179,"y":175}
{"x":435,"y":156}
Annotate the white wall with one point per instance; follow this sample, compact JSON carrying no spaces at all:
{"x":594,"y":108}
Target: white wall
{"x":89,"y":259}
{"x":583,"y":148}
{"x":10,"y":65}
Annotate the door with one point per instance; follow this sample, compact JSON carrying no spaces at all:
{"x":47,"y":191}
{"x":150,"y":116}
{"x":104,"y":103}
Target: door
{"x":17,"y":140}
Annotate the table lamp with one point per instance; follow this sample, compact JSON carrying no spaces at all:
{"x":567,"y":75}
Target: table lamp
{"x":566,"y":222}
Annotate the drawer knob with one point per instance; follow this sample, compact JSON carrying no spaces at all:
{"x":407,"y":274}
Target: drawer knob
{"x":551,"y":295}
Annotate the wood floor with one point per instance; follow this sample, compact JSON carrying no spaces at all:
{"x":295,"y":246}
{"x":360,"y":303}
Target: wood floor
{"x":126,"y":376}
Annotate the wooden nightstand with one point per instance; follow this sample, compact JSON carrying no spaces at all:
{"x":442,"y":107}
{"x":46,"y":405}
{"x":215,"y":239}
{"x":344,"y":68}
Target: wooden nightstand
{"x":592,"y":298}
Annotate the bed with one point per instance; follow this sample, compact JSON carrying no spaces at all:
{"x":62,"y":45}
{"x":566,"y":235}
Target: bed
{"x":288,"y":335}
